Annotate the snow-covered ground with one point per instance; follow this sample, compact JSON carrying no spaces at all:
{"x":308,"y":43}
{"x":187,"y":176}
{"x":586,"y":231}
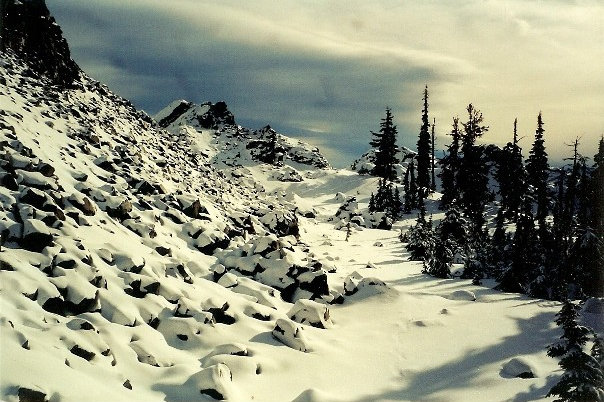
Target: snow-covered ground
{"x":154,"y":265}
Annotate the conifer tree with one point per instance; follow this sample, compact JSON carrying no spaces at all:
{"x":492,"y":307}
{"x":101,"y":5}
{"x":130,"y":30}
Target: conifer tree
{"x":423,"y":151}
{"x":583,"y":379}
{"x":524,"y":255}
{"x":397,"y":205}
{"x":439,"y":262}
{"x":511,"y":175}
{"x":420,"y":238}
{"x":372,"y":203}
{"x":433,"y":159}
{"x":386,"y":149}
{"x":584,"y":263}
{"x":450,"y":167}
{"x":472,"y":178}
{"x":414,"y":193}
{"x":410,"y":187}
{"x":537,"y":168}
{"x":597,"y":205}
{"x":570,"y":199}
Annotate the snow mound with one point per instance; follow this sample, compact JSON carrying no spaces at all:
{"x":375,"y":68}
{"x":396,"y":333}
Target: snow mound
{"x":519,"y":367}
{"x":462,"y":295}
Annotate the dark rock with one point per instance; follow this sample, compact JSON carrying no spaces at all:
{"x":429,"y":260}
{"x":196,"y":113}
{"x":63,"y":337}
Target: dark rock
{"x":33,"y":197}
{"x":154,"y":322}
{"x":83,"y":353}
{"x":217,"y":243}
{"x":30,"y":395}
{"x":35,"y":235}
{"x":32,"y":296}
{"x":261,"y":317}
{"x":220,"y":315}
{"x":46,"y":169}
{"x":121,"y":212}
{"x":127,"y":384}
{"x":10,"y":182}
{"x":32,"y":33}
{"x":86,"y":206}
{"x":176,"y":113}
{"x":163,"y":251}
{"x":316,"y":284}
{"x":193,"y":210}
{"x":212,"y":393}
{"x":5,"y":266}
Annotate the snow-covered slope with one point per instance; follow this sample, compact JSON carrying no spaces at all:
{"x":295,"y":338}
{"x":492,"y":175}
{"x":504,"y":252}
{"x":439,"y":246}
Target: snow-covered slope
{"x":144,"y":264}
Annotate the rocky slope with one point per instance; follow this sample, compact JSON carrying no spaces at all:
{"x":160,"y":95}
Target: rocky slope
{"x":126,"y":247}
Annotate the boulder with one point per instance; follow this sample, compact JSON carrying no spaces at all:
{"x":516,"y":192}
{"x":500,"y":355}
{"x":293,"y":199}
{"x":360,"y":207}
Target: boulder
{"x":36,"y":235}
{"x":215,"y":381}
{"x":518,"y":367}
{"x":310,"y":313}
{"x":290,"y":334}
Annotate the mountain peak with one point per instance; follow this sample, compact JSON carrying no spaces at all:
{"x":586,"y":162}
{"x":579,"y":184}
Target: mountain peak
{"x":31,"y":32}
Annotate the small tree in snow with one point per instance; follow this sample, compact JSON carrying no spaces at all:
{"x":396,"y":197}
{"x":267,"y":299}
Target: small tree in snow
{"x":583,"y":379}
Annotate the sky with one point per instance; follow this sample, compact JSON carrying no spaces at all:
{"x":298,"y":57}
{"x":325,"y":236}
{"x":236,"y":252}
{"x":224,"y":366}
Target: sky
{"x":324,"y":71}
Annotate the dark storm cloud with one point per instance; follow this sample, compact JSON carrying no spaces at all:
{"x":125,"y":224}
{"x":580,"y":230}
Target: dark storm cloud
{"x":153,"y":58}
{"x":326,"y":72}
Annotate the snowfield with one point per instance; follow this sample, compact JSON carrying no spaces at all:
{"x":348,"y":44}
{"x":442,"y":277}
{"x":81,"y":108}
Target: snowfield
{"x":141,"y":263}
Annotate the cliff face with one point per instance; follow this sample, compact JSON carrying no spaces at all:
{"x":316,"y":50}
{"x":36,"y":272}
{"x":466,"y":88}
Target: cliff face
{"x":31,"y":32}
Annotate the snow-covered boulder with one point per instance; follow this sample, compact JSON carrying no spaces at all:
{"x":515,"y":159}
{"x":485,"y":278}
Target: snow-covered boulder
{"x":287,"y":174}
{"x":311,"y":313}
{"x":36,"y":235}
{"x":215,"y":381}
{"x":355,"y":283}
{"x":462,"y":294}
{"x":291,"y":334}
{"x":518,"y":367}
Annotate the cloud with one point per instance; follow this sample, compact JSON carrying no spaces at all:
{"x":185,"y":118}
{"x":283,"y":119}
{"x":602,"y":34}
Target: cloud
{"x":326,"y":70}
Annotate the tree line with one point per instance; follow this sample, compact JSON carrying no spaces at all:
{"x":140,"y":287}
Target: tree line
{"x":555,"y":249}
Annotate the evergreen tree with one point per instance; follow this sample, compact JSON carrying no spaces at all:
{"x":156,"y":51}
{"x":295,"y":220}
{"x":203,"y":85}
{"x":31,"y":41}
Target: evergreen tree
{"x":497,"y":256}
{"x":450,"y":168}
{"x":524,"y":254}
{"x":433,"y":159}
{"x":584,"y":197}
{"x":570,"y":198}
{"x":597,"y":205}
{"x":414,"y":193}
{"x":407,"y":196}
{"x":472,"y":178}
{"x":348,"y":230}
{"x":397,"y":205}
{"x":584,"y":261}
{"x":583,"y":379}
{"x":410,"y":187}
{"x":372,"y":203}
{"x":423,"y":151}
{"x":439,"y":262}
{"x":420,"y":238}
{"x":454,"y":228}
{"x":537,"y":168}
{"x":511,"y":175}
{"x":386,"y":149}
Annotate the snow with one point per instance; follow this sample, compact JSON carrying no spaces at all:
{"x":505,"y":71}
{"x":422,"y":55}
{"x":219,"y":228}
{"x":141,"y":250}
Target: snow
{"x":209,"y":323}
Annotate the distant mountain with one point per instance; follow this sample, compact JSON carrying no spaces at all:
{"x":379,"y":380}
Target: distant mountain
{"x":213,"y":127}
